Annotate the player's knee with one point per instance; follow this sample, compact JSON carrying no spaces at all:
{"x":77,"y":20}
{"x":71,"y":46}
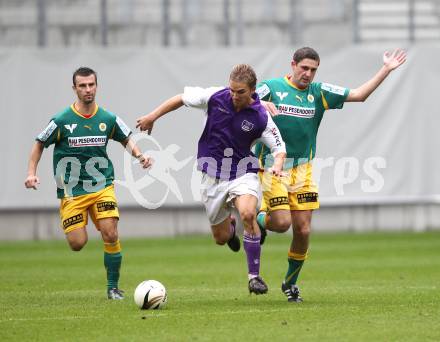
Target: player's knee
{"x":220,"y":242}
{"x":280,"y":221}
{"x":110,"y":236}
{"x":76,"y":240}
{"x":281,"y":224}
{"x":304,"y":229}
{"x":220,"y":238}
{"x":76,"y":246}
{"x":248,"y":216}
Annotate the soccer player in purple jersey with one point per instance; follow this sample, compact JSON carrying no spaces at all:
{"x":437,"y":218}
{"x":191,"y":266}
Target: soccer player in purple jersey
{"x":235,"y":121}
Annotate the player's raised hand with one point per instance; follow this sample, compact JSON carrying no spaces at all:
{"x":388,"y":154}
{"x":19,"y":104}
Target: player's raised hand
{"x":145,"y":123}
{"x":31,"y":182}
{"x":394,"y":59}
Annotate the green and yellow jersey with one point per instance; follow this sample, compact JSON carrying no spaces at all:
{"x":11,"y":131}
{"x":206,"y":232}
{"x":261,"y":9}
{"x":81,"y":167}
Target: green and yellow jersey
{"x":301,"y":112}
{"x":80,"y":161}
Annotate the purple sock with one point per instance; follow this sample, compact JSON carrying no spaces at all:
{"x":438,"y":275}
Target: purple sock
{"x":252,"y":247}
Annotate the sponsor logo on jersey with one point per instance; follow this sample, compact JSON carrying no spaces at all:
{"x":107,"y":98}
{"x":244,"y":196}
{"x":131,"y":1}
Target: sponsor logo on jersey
{"x":276,"y":201}
{"x":72,"y":220}
{"x":281,"y":95}
{"x":87,"y":141}
{"x":310,"y":98}
{"x":106,"y":206}
{"x":299,"y":98}
{"x":247,"y":126}
{"x":274,"y":131}
{"x":102,"y":127}
{"x":43,"y":136}
{"x":301,"y":112}
{"x":307,"y":197}
{"x":88,"y":127}
{"x":262,"y":91}
{"x":333,"y":88}
{"x":70,"y":127}
{"x":124,"y":128}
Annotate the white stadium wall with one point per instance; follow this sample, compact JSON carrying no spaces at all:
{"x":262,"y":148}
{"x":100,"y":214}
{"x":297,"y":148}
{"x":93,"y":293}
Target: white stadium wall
{"x":377,"y":162}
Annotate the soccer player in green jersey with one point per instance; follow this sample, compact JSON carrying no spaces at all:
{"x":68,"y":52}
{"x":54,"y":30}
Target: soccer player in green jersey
{"x":299,"y":104}
{"x":84,"y":173}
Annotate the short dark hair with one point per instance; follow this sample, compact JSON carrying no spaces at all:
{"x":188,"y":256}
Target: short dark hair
{"x":305,"y":52}
{"x":84,"y":71}
{"x":244,"y":73}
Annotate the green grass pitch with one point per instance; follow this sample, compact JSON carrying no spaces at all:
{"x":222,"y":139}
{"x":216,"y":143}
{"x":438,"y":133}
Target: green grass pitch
{"x":356,"y":287}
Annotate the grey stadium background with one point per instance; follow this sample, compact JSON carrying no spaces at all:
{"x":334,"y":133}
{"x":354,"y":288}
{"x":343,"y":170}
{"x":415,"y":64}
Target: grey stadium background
{"x":146,"y":51}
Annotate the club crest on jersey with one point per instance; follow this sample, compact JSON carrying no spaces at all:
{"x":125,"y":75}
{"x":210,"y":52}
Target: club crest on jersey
{"x":247,"y":126}
{"x":310,"y":98}
{"x":70,"y":127}
{"x":281,"y":95}
{"x":102,"y":127}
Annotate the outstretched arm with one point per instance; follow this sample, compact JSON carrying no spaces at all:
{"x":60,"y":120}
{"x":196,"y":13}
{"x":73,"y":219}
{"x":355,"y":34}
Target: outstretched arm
{"x":145,"y":123}
{"x":32,"y":180}
{"x":391,"y":61}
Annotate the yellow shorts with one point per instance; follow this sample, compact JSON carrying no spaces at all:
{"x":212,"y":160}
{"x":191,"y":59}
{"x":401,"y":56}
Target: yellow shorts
{"x":295,"y":191}
{"x":74,"y":210}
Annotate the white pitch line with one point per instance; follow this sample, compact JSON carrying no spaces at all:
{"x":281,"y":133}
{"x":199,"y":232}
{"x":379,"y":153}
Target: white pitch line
{"x":150,"y":314}
{"x":46,"y":318}
{"x":234,"y":312}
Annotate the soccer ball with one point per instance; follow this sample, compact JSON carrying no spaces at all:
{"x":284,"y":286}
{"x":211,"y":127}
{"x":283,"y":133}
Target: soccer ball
{"x":150,"y":294}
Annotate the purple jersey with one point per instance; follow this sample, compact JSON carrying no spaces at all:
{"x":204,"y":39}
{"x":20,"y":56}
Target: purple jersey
{"x":224,"y":149}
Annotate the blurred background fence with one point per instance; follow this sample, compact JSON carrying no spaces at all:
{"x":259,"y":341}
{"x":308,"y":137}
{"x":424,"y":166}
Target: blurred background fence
{"x":147,"y":50}
{"x":49,"y":23}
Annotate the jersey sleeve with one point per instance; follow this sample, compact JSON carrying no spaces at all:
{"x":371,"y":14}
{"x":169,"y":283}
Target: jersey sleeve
{"x":263,"y":91}
{"x":49,"y":135}
{"x":121,"y":130}
{"x":271,"y":137}
{"x":198,"y":97}
{"x":333,"y":96}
